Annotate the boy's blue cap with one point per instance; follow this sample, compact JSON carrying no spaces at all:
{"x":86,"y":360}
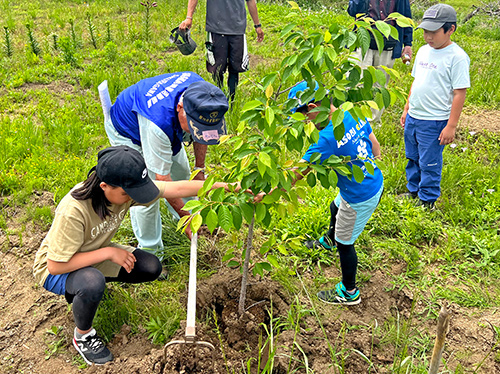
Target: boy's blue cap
{"x":299,"y":87}
{"x":205,"y":106}
{"x":436,"y":16}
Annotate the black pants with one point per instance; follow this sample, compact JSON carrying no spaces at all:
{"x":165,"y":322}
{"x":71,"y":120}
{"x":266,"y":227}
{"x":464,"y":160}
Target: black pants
{"x":347,"y":253}
{"x":85,"y":287}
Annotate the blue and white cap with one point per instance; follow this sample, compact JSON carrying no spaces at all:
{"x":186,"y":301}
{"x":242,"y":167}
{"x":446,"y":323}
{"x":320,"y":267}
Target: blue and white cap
{"x":295,"y":94}
{"x":205,"y":106}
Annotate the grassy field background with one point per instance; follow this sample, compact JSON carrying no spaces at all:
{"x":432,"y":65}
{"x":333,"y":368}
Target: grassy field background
{"x":55,"y":54}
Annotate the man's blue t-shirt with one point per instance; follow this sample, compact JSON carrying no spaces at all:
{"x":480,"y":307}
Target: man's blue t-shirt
{"x":356,"y":144}
{"x":156,"y":99}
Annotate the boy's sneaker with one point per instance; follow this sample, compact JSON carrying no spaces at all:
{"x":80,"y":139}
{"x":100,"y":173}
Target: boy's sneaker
{"x":339,"y":295}
{"x":408,"y":195}
{"x":426,"y":204}
{"x":323,"y":243}
{"x":92,"y":348}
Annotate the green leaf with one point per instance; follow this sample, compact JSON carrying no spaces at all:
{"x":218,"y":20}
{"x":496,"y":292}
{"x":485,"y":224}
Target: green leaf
{"x":265,"y":159}
{"x":298,"y":116}
{"x":266,"y":266}
{"x":311,"y":179}
{"x":318,"y":53}
{"x":251,"y":105}
{"x":332,"y":178}
{"x":339,"y":131}
{"x":281,"y":211}
{"x":260,"y":212}
{"x":225,"y":218}
{"x":369,"y":167}
{"x":237,"y":217}
{"x":357,"y":173}
{"x":248,"y":210}
{"x":386,"y":96}
{"x":287,"y":29}
{"x":211,"y":220}
{"x":380,"y":164}
{"x":196,"y":223}
{"x":229,"y":255}
{"x":303,"y":58}
{"x":218,"y":194}
{"x":233,"y":264}
{"x":380,"y":77}
{"x":364,"y":40}
{"x":379,"y":39}
{"x":273,"y":261}
{"x":269,"y":114}
{"x":383,"y":27}
{"x":191,"y":204}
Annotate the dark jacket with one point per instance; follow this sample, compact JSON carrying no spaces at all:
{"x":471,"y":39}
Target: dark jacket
{"x":402,"y":7}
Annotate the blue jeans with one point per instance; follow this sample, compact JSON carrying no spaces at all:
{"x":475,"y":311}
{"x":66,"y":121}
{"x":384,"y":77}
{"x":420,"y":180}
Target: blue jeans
{"x":425,"y":157}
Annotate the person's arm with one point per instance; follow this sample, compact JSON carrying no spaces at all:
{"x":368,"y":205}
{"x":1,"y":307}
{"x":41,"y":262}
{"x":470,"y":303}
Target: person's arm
{"x":448,"y":133}
{"x":375,"y":145}
{"x":83,"y":259}
{"x":406,"y":31}
{"x":180,"y":189}
{"x":252,"y":9}
{"x":200,"y":153}
{"x":402,"y":120}
{"x":188,"y":22}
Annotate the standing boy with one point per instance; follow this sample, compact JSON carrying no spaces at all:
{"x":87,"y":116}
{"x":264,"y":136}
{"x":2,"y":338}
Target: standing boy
{"x":436,"y":99}
{"x":355,"y":203}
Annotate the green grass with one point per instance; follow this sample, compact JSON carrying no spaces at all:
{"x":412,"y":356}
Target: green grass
{"x":52,"y":128}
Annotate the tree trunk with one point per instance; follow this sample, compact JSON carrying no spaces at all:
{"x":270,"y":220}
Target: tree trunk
{"x":244,"y":279}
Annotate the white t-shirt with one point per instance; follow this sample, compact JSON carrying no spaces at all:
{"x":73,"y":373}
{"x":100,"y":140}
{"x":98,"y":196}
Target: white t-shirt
{"x":437,"y":73}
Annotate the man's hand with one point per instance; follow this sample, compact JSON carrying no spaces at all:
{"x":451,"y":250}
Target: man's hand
{"x":402,"y":120}
{"x":123,"y":258}
{"x":260,"y":34}
{"x":186,"y":24}
{"x":407,"y":51}
{"x":447,"y":135}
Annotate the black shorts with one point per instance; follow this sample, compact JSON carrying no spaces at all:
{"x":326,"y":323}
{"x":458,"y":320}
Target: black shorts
{"x":226,"y":51}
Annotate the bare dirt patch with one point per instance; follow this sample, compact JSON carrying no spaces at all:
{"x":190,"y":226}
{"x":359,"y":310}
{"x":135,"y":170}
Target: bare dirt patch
{"x":481,"y":120}
{"x":27,"y":312}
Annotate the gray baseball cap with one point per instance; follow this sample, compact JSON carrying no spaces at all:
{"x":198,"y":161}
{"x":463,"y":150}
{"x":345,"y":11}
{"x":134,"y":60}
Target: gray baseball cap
{"x":436,"y":16}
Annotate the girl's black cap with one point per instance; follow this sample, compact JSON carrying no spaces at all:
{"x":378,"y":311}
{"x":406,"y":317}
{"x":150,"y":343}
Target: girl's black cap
{"x":124,"y":167}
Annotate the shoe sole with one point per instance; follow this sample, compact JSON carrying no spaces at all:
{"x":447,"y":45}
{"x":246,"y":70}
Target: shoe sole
{"x":350,"y":303}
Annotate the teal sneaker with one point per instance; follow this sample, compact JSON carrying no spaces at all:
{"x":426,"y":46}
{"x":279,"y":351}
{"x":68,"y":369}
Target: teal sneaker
{"x":339,"y":295}
{"x":323,"y":243}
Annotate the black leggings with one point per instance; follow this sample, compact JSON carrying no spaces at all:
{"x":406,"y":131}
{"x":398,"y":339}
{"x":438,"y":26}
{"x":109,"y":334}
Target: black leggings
{"x":347,"y":253}
{"x":85,"y":287}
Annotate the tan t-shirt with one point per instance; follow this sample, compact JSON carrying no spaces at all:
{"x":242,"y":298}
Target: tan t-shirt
{"x":77,"y":228}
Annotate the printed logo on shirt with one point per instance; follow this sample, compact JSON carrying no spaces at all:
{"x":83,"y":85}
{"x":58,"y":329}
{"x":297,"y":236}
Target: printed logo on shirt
{"x":111,"y":223}
{"x":427,"y":65}
{"x":166,"y":92}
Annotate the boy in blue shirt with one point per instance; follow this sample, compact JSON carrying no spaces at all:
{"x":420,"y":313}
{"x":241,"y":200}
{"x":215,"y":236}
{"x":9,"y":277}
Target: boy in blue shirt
{"x":355,"y":203}
{"x":436,"y":99}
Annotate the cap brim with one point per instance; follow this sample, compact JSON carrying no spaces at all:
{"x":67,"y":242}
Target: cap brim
{"x":204,"y":134}
{"x":144,"y":193}
{"x":430,"y":25}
